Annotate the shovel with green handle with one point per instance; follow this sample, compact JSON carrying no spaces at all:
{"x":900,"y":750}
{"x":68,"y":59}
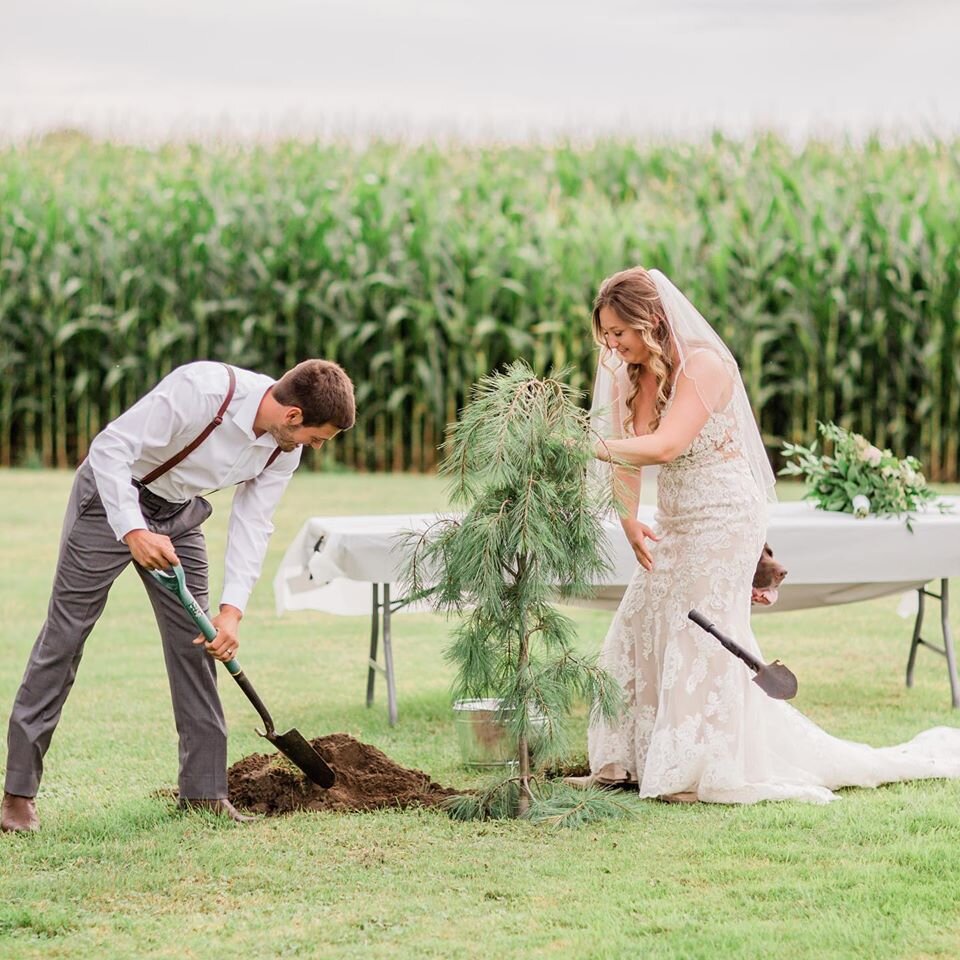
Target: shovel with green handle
{"x":292,"y":743}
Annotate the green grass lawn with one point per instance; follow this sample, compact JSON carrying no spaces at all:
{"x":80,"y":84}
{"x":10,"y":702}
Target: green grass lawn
{"x":116,"y":873}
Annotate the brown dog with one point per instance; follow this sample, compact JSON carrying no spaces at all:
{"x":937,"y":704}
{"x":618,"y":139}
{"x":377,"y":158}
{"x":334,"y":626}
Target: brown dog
{"x":767,"y":579}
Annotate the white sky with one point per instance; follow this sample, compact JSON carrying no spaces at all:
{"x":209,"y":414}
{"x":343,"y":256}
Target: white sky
{"x":140,"y":70}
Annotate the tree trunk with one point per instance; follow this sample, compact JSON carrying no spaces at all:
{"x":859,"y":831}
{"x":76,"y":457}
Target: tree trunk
{"x":523,"y":804}
{"x":523,"y":658}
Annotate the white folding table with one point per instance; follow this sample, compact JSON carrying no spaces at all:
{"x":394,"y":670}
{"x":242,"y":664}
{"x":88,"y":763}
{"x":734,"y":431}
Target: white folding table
{"x":337,"y":564}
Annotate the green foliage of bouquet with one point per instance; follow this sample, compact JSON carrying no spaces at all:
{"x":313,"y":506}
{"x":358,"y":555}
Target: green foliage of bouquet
{"x":858,"y":478}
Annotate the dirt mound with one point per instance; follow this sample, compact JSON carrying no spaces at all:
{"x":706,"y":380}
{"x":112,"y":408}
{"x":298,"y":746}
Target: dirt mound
{"x":367,"y":779}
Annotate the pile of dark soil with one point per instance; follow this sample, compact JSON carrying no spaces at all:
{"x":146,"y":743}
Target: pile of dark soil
{"x":367,"y":779}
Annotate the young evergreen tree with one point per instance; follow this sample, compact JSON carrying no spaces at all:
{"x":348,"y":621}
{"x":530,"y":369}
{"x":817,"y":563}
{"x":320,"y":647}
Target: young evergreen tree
{"x":531,"y":529}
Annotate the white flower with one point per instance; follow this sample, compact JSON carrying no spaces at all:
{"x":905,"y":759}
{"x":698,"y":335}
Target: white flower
{"x":861,"y":506}
{"x":873,"y":456}
{"x":907,"y":474}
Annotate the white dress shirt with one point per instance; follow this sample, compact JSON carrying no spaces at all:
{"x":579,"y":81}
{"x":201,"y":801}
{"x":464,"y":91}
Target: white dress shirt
{"x":169,"y":418}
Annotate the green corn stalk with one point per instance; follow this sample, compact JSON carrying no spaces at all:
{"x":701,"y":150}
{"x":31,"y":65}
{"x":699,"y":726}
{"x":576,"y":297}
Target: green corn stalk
{"x":832,"y":270}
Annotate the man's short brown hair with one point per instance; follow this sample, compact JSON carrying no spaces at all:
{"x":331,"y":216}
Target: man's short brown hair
{"x":323,"y":392}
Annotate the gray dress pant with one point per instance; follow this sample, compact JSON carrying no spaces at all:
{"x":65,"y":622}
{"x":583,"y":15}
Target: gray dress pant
{"x":90,"y":559}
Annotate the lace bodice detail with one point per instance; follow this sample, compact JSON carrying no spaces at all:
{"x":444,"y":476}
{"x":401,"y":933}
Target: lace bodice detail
{"x":712,"y":468}
{"x":717,"y":440}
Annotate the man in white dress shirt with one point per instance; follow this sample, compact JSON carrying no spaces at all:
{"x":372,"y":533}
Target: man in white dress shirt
{"x":137,"y":497}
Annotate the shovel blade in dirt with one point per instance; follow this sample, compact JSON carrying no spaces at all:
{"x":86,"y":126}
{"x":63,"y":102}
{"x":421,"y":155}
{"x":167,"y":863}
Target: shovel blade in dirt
{"x":774,"y":679}
{"x":297,"y":749}
{"x":291,"y":744}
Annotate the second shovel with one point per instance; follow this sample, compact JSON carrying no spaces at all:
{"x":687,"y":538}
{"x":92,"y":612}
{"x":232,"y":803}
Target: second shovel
{"x":774,"y":679}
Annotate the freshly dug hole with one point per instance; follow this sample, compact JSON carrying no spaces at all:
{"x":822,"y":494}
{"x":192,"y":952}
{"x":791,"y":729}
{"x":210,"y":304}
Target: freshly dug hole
{"x":367,"y":779}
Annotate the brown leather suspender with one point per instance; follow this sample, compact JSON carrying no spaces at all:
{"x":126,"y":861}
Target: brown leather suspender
{"x":207,"y":430}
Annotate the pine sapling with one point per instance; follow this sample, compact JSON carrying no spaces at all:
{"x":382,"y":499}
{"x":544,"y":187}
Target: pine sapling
{"x":531,"y":530}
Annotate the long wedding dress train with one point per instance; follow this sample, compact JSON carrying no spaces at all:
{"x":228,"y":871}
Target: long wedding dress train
{"x":694,"y":720}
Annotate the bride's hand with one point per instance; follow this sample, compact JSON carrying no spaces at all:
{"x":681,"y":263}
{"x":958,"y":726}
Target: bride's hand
{"x":637,"y":535}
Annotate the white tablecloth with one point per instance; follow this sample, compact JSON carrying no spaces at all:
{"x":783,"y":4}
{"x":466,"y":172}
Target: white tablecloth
{"x":831,"y":557}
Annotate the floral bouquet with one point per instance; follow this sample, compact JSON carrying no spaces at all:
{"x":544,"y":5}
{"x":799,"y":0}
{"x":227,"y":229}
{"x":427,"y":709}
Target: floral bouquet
{"x":859,"y":478}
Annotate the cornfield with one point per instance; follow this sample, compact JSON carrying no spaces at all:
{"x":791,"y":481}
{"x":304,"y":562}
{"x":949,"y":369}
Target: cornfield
{"x":832,"y":271}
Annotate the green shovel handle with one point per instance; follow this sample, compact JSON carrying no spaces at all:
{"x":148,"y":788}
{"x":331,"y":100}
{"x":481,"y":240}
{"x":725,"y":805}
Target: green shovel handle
{"x":174,"y":581}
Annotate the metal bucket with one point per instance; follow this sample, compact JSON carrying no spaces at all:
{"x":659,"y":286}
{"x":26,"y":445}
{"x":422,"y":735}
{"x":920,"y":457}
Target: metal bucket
{"x":484,"y":740}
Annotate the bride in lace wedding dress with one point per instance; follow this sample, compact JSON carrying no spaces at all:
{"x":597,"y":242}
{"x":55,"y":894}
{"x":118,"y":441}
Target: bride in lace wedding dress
{"x":695,"y":727}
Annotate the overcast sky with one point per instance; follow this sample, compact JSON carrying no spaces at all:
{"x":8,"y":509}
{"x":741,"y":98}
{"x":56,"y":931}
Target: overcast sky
{"x":505,"y":68}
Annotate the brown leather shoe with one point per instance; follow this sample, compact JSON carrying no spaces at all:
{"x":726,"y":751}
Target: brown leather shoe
{"x":19,"y":814}
{"x":688,"y":796}
{"x":220,"y":807}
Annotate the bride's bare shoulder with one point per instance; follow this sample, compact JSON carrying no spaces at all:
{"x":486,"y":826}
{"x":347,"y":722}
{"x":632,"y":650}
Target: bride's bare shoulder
{"x":704,"y":361}
{"x":712,"y":376}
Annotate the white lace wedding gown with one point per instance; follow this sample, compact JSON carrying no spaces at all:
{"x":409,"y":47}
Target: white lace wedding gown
{"x":694,"y":720}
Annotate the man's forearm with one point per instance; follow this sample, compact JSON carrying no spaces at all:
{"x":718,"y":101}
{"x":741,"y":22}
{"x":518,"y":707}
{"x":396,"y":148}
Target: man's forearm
{"x":110,"y":460}
{"x":248,"y":532}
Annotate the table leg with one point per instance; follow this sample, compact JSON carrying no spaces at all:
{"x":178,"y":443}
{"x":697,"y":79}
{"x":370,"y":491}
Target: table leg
{"x":916,"y":641}
{"x":948,"y":642}
{"x":374,"y":630}
{"x":388,"y":658}
{"x":947,"y":649}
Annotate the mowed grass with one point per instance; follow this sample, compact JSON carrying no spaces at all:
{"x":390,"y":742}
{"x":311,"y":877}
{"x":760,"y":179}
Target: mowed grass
{"x":117,"y":873}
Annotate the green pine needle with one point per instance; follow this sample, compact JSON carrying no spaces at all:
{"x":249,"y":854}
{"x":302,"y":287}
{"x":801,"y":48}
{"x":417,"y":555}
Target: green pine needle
{"x":561,"y":806}
{"x":531,"y":528}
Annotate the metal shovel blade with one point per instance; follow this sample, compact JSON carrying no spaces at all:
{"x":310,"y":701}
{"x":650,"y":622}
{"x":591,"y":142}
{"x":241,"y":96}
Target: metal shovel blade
{"x":774,"y":679}
{"x":298,"y":751}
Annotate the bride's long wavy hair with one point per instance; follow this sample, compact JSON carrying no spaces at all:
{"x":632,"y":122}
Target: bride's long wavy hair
{"x":633,"y":297}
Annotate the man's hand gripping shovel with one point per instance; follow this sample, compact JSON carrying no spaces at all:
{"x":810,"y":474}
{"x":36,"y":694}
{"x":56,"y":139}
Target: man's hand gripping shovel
{"x":291,"y":744}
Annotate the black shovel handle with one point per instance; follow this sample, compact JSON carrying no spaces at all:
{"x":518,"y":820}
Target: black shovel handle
{"x":247,"y":687}
{"x":291,"y":744}
{"x":701,"y":621}
{"x":175,"y":581}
